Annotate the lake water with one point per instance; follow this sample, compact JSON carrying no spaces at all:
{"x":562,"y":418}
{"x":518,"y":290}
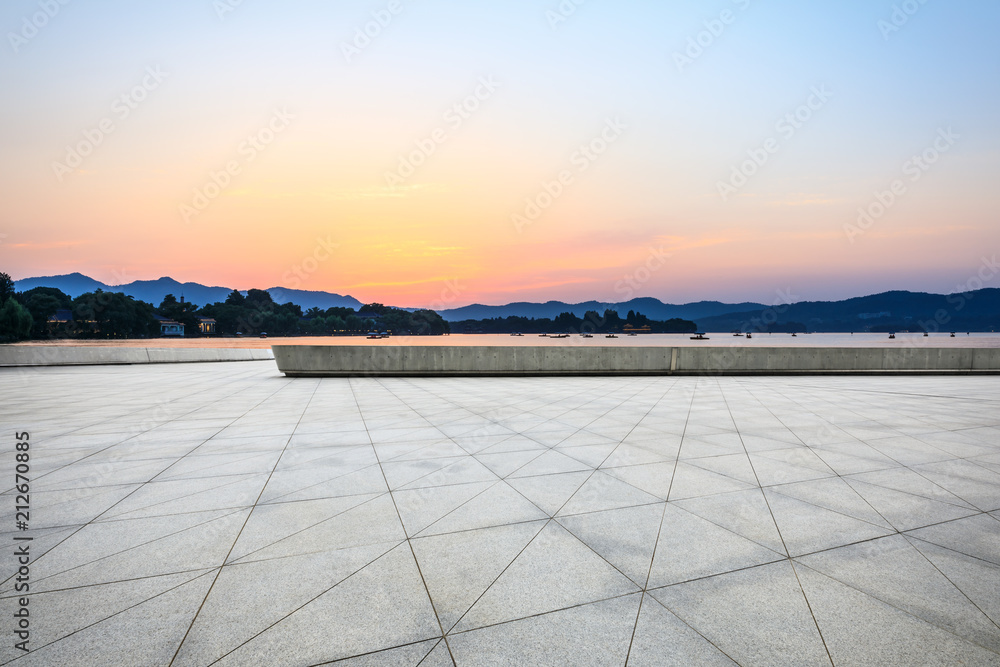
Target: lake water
{"x":666,"y":340}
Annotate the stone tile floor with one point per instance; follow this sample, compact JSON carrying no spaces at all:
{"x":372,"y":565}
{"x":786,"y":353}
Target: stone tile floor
{"x":221,"y":514}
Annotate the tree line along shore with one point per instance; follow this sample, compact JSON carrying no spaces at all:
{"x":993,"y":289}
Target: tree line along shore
{"x":47,"y":312}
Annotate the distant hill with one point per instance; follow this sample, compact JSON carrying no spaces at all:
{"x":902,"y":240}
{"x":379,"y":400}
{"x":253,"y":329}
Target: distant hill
{"x":73,"y":284}
{"x":309,"y":299}
{"x":651,"y":308}
{"x":889,"y":311}
{"x":153,"y":291}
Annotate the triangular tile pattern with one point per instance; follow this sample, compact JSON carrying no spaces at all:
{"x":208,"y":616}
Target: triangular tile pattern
{"x":550,"y":492}
{"x":569,"y":520}
{"x":893,"y":571}
{"x":555,"y":571}
{"x":806,"y":528}
{"x":626,"y":537}
{"x":459,"y":567}
{"x":604,"y":492}
{"x":765,"y":603}
{"x":663,"y":640}
{"x":498,"y":505}
{"x":64,"y":612}
{"x":383,"y":605}
{"x":246,"y":599}
{"x":745,"y":513}
{"x":691,"y":547}
{"x":145,"y":634}
{"x":412,"y":655}
{"x":590,"y":634}
{"x":860,"y":629}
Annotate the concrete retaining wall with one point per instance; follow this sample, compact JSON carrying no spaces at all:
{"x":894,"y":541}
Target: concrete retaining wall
{"x":401,"y":360}
{"x":52,"y":355}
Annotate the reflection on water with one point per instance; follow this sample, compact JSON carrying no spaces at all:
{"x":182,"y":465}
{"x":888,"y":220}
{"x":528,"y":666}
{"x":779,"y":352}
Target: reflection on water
{"x":667,"y":340}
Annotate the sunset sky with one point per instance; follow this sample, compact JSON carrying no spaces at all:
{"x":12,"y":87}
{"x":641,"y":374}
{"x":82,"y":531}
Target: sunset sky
{"x":504,"y":151}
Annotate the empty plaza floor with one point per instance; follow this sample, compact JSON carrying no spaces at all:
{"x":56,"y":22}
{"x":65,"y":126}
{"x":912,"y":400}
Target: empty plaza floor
{"x":222,"y":514}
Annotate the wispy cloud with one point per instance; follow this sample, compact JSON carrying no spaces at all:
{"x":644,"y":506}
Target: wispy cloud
{"x":50,"y":245}
{"x":400,"y":283}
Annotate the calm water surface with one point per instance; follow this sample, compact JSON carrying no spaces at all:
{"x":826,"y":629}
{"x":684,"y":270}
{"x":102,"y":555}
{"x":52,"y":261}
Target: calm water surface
{"x":667,"y":340}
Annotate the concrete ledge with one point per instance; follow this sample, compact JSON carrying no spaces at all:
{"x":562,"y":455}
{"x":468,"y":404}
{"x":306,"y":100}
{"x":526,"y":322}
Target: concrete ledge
{"x":403,"y":360}
{"x":57,"y":355}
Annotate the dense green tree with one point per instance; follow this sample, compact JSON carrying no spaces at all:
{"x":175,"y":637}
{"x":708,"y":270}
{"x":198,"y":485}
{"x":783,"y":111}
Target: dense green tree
{"x":102,"y":314}
{"x":428,"y":323}
{"x":370,"y":309}
{"x":42,"y":303}
{"x":354,"y":323}
{"x":612,"y":321}
{"x":6,"y":288}
{"x":235,"y":298}
{"x":15,"y":321}
{"x":339,"y":311}
{"x":227,"y":317}
{"x":678,"y":325}
{"x":280,"y":322}
{"x":259,"y":299}
{"x":566,"y":322}
{"x":290,"y":308}
{"x":185,"y":313}
{"x":316,"y":325}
